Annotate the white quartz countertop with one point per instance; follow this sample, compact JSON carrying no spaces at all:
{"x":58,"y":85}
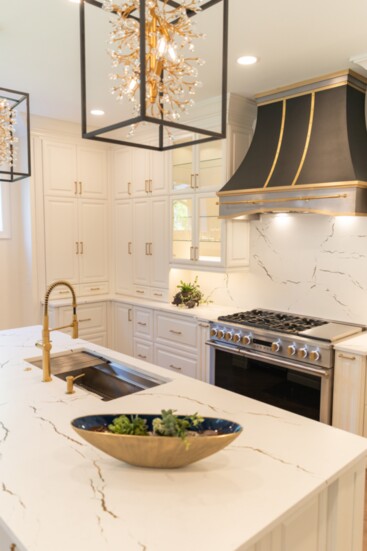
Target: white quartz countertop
{"x":357,"y":344}
{"x":59,"y":493}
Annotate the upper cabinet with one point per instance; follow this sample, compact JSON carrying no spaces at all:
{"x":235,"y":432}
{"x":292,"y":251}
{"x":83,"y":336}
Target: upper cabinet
{"x":198,"y":167}
{"x":201,"y":239}
{"x":138,"y":172}
{"x":71,"y":170}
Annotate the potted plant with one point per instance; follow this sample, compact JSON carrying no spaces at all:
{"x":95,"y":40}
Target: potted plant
{"x":189,"y":295}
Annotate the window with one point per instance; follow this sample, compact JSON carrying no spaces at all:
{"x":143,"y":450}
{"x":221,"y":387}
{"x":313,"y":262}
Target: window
{"x":4,"y":210}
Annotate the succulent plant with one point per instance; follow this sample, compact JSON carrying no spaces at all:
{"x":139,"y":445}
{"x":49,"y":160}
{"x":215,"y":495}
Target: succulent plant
{"x":189,"y":295}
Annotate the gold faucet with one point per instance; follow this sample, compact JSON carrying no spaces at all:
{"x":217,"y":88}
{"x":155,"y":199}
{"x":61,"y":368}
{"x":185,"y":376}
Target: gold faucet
{"x":45,"y":344}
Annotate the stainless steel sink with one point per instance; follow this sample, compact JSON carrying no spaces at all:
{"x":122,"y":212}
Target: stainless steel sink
{"x":101,"y":376}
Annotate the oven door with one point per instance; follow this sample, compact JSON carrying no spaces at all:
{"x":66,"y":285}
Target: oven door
{"x":293,"y":386}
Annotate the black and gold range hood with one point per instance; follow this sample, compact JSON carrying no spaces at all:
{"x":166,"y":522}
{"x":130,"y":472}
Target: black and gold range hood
{"x":308,"y":153}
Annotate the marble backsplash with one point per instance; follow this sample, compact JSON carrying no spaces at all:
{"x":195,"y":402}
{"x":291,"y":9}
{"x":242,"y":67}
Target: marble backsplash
{"x":306,"y":264}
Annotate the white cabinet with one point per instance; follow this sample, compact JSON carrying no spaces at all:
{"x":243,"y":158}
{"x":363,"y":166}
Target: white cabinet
{"x":204,"y":351}
{"x":200,"y":238}
{"x":350,"y":396}
{"x":123,"y":329}
{"x":92,"y":318}
{"x":150,"y":246}
{"x":198,"y":167}
{"x":139,"y":172}
{"x":74,"y":170}
{"x":123,"y":248}
{"x":149,"y":172}
{"x":176,"y":343}
{"x":76,"y":242}
{"x":143,"y":333}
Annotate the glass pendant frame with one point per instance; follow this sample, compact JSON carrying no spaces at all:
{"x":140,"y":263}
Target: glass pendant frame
{"x":21,"y":168}
{"x":193,"y":133}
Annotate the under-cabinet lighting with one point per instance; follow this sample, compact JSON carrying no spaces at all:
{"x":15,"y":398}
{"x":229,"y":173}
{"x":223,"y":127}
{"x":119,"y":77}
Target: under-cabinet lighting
{"x":96,"y":112}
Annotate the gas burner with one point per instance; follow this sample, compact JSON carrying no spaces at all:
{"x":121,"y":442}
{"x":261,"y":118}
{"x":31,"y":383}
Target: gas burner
{"x":276,"y":321}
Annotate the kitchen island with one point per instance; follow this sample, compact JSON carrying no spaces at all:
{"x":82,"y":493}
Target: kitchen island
{"x":285,"y":484}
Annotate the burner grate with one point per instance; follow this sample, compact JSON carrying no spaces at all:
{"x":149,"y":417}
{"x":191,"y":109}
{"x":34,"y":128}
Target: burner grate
{"x":277,"y":321}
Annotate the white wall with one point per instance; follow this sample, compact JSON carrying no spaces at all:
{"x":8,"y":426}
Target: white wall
{"x":16,"y":260}
{"x":307,"y":264}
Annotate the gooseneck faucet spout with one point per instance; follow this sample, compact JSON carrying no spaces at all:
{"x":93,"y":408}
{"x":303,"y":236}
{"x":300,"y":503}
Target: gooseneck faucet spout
{"x":45,"y":344}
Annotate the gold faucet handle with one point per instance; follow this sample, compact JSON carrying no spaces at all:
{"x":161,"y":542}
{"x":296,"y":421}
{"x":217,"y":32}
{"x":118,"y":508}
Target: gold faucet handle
{"x":39,"y":344}
{"x":70,"y":383}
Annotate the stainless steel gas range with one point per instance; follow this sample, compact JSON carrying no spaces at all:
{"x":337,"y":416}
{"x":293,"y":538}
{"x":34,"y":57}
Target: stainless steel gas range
{"x":283,"y":359}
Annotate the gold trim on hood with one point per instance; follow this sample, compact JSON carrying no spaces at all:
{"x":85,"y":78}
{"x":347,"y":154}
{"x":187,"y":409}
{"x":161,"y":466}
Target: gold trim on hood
{"x":354,"y":183}
{"x":285,"y":199}
{"x":280,"y":140}
{"x":307,"y":142}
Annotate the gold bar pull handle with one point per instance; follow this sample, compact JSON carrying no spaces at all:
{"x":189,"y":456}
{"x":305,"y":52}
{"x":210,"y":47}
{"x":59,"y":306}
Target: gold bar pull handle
{"x":346,"y":357}
{"x":75,"y":187}
{"x":80,"y":188}
{"x":129,"y":188}
{"x":77,"y":247}
{"x":142,"y":323}
{"x":142,"y":356}
{"x":146,"y":184}
{"x":175,"y":332}
{"x":151,"y":186}
{"x":82,"y":247}
{"x":192,"y":185}
{"x":85,"y":319}
{"x":130,"y":314}
{"x":196,"y":253}
{"x":192,"y":253}
{"x":150,"y":249}
{"x":196,"y":181}
{"x":129,"y":245}
{"x":205,"y":325}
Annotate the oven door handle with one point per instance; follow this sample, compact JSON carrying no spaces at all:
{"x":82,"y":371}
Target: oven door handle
{"x":302,"y":368}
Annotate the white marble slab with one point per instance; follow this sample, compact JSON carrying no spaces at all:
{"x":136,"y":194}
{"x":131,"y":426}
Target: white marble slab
{"x":58,"y":493}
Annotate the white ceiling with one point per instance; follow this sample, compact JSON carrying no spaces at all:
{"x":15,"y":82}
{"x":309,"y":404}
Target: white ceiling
{"x":39,"y":46}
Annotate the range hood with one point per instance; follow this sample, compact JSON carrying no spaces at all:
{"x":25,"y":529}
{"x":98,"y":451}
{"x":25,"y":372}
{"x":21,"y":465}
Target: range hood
{"x":308,"y":153}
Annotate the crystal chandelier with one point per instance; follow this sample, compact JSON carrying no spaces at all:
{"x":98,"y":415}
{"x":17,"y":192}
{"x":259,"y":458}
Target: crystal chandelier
{"x":7,"y":138}
{"x":14,"y":135}
{"x":155,"y":70}
{"x":170,"y":65}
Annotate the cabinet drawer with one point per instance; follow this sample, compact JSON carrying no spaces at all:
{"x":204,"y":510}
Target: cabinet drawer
{"x":143,"y":350}
{"x":159,"y":294}
{"x":143,"y":323}
{"x":142,"y":292}
{"x":177,"y":330}
{"x":91,"y":317}
{"x":94,"y":289}
{"x":169,"y":359}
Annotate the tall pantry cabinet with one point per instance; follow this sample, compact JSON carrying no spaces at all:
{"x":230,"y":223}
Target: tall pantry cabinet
{"x":72,"y":188}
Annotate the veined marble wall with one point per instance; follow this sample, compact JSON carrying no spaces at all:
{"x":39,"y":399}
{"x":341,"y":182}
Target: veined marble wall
{"x":301,"y":263}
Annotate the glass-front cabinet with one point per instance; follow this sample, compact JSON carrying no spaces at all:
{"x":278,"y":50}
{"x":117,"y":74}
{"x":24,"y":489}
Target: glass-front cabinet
{"x":198,"y":167}
{"x":196,"y":230}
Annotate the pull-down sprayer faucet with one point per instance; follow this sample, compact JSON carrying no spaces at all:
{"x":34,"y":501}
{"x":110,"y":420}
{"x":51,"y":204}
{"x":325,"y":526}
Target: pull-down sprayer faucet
{"x":45,"y":344}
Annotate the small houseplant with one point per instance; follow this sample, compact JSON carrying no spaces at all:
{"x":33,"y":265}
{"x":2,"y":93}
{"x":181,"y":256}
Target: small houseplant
{"x":189,"y":295}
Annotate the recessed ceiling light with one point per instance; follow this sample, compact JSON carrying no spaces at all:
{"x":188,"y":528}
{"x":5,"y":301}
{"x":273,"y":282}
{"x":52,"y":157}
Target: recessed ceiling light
{"x":247,"y":60}
{"x":97,"y":112}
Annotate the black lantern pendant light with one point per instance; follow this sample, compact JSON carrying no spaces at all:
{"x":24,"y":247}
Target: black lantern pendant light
{"x":148,"y":49}
{"x":15,"y":158}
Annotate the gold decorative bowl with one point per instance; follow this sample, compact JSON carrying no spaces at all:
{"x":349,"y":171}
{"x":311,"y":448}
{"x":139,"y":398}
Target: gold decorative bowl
{"x":164,"y":452}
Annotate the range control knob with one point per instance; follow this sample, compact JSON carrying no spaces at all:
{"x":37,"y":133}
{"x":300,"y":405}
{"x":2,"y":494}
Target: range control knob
{"x":275,"y":346}
{"x":213,"y":332}
{"x":291,"y":350}
{"x":237,"y":337}
{"x":314,"y":355}
{"x":302,"y":353}
{"x":246,"y":339}
{"x":220,"y":333}
{"x":228,"y":336}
